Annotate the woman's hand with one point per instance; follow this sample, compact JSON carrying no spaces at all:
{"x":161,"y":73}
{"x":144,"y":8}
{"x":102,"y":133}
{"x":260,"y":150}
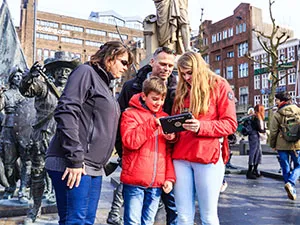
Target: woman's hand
{"x":192,"y":125}
{"x":170,"y":137}
{"x":168,"y":186}
{"x":74,"y":176}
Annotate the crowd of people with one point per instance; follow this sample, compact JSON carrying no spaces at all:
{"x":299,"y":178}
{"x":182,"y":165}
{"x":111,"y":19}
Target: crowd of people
{"x":78,"y":122}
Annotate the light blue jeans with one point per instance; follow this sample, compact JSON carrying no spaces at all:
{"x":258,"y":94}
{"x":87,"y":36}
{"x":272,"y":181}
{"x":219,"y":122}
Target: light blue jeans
{"x":205,"y":180}
{"x":288,"y":174}
{"x":140,"y":204}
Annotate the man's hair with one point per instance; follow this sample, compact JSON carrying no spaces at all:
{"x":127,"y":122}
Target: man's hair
{"x":283,"y":96}
{"x":154,"y":84}
{"x":163,"y":49}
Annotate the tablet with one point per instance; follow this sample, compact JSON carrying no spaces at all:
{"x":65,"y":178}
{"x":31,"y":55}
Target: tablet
{"x":171,"y":124}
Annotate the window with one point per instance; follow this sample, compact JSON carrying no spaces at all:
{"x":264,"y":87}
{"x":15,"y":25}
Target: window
{"x":96,"y":32}
{"x":256,"y":64}
{"x":224,"y":34}
{"x":93,"y":43}
{"x":243,"y":70}
{"x":282,"y":78}
{"x":244,"y":27}
{"x":46,"y":54}
{"x":243,"y":96}
{"x":47,"y":36}
{"x":52,"y":54}
{"x":229,"y":72}
{"x":257,"y":82}
{"x":256,"y":99}
{"x":265,"y":101}
{"x":47,"y":23}
{"x":293,"y":95}
{"x":217,"y":71}
{"x":213,"y":38}
{"x":264,"y":81}
{"x":230,"y":54}
{"x":71,"y":27}
{"x":230,"y":32}
{"x":206,"y":58}
{"x":264,"y":59}
{"x":291,"y":76}
{"x":243,"y":49}
{"x":39,"y":54}
{"x":219,"y":36}
{"x":291,"y":54}
{"x":205,"y":41}
{"x":281,"y":55}
{"x":72,"y":40}
{"x":218,"y":57}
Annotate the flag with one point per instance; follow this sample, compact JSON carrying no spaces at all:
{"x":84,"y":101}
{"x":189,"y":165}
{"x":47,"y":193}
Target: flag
{"x":11,"y":53}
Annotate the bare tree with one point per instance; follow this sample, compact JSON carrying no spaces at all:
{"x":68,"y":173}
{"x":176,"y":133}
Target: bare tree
{"x":270,"y":44}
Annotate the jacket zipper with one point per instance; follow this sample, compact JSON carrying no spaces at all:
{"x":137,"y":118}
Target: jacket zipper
{"x":155,"y":158}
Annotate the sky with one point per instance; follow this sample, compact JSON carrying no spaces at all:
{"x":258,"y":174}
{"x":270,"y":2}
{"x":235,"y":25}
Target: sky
{"x":286,"y":12}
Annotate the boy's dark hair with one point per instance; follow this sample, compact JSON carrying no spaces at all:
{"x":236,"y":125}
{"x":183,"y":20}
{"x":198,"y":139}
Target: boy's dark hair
{"x":283,"y":96}
{"x":154,"y":84}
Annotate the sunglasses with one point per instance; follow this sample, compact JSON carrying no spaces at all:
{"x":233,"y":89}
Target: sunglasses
{"x":124,"y":62}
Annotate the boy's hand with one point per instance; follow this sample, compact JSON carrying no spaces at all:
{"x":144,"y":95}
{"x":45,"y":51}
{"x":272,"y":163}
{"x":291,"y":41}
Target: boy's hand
{"x":168,"y":186}
{"x":170,"y":137}
{"x":157,"y":121}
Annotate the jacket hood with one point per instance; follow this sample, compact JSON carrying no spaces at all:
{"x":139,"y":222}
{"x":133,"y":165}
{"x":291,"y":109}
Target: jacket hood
{"x":288,"y":110}
{"x":137,"y":102}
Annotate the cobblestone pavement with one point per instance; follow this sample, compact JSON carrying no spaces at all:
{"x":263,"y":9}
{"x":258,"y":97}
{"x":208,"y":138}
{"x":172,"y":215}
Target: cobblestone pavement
{"x":252,"y":202}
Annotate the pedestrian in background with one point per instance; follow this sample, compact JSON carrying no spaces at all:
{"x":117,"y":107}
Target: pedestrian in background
{"x":147,"y":167}
{"x":254,"y":138}
{"x":197,"y":155}
{"x":87,"y":118}
{"x":284,"y":148}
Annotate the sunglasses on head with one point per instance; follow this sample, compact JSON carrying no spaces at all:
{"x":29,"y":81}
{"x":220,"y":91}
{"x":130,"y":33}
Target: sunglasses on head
{"x":124,"y":62}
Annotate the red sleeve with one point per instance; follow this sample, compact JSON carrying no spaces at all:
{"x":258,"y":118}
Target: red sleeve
{"x":170,"y":171}
{"x":225,"y":122}
{"x":134,"y":134}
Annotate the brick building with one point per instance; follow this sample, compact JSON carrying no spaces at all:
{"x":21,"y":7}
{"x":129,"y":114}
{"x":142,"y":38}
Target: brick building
{"x":226,"y":42}
{"x":80,"y":37}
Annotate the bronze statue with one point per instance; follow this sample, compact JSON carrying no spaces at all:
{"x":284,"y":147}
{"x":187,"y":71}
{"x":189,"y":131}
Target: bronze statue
{"x":173,"y":29}
{"x":45,"y":93}
{"x":15,"y":135}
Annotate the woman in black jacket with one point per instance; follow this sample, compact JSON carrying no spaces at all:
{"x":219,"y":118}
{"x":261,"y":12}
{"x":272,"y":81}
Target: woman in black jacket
{"x":87,"y":118}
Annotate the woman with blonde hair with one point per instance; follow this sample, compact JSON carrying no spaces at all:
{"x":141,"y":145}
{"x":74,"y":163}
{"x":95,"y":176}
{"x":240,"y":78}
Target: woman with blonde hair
{"x":201,"y":151}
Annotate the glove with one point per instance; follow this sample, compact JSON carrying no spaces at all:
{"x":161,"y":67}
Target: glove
{"x":36,"y":67}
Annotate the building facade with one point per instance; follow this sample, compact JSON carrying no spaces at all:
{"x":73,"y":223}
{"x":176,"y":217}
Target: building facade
{"x":80,"y":37}
{"x":226,"y":44}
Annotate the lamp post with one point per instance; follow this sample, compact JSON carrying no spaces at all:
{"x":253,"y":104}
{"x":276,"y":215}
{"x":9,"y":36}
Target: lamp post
{"x":34,"y":30}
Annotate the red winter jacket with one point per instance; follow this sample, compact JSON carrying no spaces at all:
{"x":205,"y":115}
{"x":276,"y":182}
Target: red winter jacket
{"x":146,"y":157}
{"x":220,"y":121}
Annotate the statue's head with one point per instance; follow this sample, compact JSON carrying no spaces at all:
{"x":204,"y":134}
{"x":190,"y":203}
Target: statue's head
{"x":60,"y":66}
{"x":15,"y":76}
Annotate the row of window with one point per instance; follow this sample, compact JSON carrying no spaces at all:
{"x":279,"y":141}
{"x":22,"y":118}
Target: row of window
{"x":284,"y":55}
{"x":242,"y":50}
{"x":43,"y":54}
{"x":242,"y":71}
{"x":264,"y":99}
{"x":285,"y":78}
{"x":80,"y":29}
{"x":241,"y":28}
{"x":115,"y":21}
{"x":76,"y":40}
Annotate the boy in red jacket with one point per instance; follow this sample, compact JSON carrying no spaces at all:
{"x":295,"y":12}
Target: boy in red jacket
{"x":147,"y":168}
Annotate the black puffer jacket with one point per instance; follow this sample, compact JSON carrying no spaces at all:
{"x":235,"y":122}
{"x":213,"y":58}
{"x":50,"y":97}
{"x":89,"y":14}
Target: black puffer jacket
{"x":134,"y":86}
{"x":87,"y":118}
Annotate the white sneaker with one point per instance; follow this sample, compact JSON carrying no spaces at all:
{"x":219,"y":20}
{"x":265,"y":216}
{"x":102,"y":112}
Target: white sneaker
{"x":223,"y":187}
{"x":291,"y":191}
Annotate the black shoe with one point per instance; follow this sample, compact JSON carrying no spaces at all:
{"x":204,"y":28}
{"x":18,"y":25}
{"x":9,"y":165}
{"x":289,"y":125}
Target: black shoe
{"x":250,"y":176}
{"x":256,"y":173}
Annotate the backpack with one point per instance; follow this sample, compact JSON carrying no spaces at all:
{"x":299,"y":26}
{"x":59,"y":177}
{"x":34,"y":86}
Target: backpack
{"x":290,"y":127}
{"x":247,"y":127}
